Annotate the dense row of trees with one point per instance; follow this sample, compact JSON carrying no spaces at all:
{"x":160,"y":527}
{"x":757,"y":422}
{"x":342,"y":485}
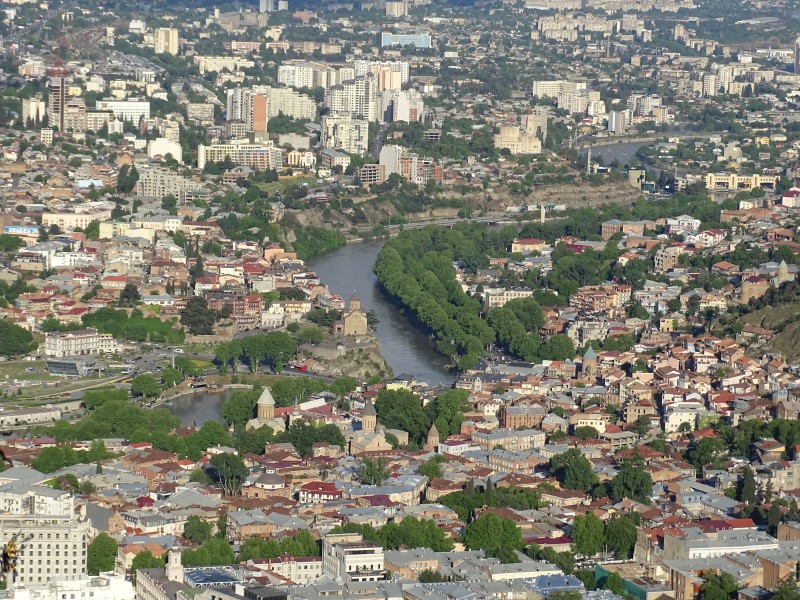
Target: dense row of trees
{"x":56,"y":457}
{"x":310,"y":241}
{"x":134,"y":327}
{"x":276,"y":347}
{"x":408,"y":533}
{"x":416,"y":269}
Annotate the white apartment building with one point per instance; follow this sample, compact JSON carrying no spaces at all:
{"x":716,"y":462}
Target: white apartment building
{"x":285,"y":100}
{"x":48,"y":547}
{"x":551,"y":89}
{"x":260,"y":156}
{"x":33,"y":109}
{"x":345,"y":132}
{"x":391,"y":74}
{"x":497,"y":297}
{"x":402,"y":105}
{"x":19,"y":498}
{"x":358,"y":96}
{"x":300,"y":570}
{"x":165,"y":40}
{"x":106,"y":586}
{"x":347,"y":557}
{"x":162,"y":182}
{"x":619,"y":121}
{"x":159,"y":223}
{"x":208,"y":64}
{"x":131,"y":110}
{"x":70,"y":220}
{"x":574,"y":102}
{"x":396,"y":8}
{"x":163,"y":147}
{"x":296,"y":75}
{"x":311,"y":74}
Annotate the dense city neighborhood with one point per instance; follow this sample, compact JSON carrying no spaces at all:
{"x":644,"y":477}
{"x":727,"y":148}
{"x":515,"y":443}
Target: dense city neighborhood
{"x":400,"y":300}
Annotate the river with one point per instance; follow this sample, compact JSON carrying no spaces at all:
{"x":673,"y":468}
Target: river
{"x":405,"y":348}
{"x":348,"y":269}
{"x":199,"y":406}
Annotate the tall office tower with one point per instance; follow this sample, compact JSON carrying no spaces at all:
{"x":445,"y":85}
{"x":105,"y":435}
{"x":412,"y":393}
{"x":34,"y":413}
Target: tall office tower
{"x":57,"y":94}
{"x":165,"y":41}
{"x":797,"y":55}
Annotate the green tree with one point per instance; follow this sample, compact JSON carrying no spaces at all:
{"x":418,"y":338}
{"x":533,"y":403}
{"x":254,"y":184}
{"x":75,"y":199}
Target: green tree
{"x":238,"y":409}
{"x":620,"y":537}
{"x":431,"y":468}
{"x":215,"y":551}
{"x":196,"y":530}
{"x":14,"y":340}
{"x":773,"y":517}
{"x":632,"y":481}
{"x":230,"y":471}
{"x":447,"y":411}
{"x":718,"y":587}
{"x":92,"y":230}
{"x":587,"y":535}
{"x":706,"y":451}
{"x":145,"y":385}
{"x":198,"y":317}
{"x":144,"y":560}
{"x":171,"y":377}
{"x":558,"y":347}
{"x":614,"y":583}
{"x":586,"y":432}
{"x":99,"y":396}
{"x":642,"y":425}
{"x":428,"y":576}
{"x":573,"y":470}
{"x":491,"y":532}
{"x":747,"y":491}
{"x":129,"y":296}
{"x":401,"y":409}
{"x":101,"y":555}
{"x":787,"y":591}
{"x":373,"y":471}
{"x":302,"y":435}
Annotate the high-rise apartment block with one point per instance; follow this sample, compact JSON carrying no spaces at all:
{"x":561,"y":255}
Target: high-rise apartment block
{"x":165,"y":40}
{"x":358,"y":96}
{"x":57,"y":83}
{"x":390,"y":74}
{"x":345,"y":132}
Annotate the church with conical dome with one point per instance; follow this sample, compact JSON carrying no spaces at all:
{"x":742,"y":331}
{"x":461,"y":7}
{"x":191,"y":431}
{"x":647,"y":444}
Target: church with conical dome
{"x":265,"y":413}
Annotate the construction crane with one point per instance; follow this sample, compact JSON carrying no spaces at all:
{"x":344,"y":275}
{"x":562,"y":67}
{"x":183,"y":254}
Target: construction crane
{"x":8,"y":559}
